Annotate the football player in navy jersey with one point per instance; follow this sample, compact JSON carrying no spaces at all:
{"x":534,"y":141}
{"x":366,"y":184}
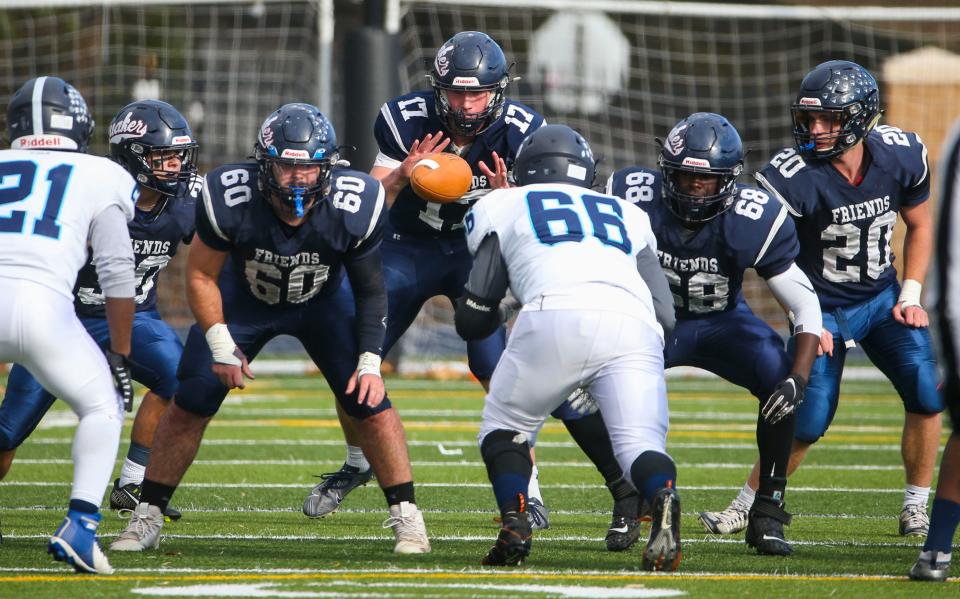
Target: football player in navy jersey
{"x":424,"y":250}
{"x":279,"y":234}
{"x":153,"y":142}
{"x":845,"y":183}
{"x":710,"y":230}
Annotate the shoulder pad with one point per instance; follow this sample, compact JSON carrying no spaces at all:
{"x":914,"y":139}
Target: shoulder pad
{"x":482,"y":219}
{"x":636,"y":184}
{"x":757,"y":226}
{"x":520,"y":121}
{"x":404,"y":120}
{"x":227,"y":192}
{"x":901,"y":153}
{"x":360,"y":201}
{"x":786,"y":176}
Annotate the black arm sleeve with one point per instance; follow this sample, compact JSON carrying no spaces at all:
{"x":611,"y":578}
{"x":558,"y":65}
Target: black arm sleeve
{"x":477,"y":314}
{"x":370,"y":294}
{"x":649,"y":268}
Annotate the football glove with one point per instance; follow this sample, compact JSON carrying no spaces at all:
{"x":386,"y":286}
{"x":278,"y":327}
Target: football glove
{"x":784,"y":399}
{"x":120,"y":369}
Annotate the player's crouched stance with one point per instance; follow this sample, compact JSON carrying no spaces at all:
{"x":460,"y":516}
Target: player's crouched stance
{"x":571,"y":257}
{"x":290,"y":225}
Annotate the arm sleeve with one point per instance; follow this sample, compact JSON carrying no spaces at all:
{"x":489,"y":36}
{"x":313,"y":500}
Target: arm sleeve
{"x":477,"y":313}
{"x":794,"y":290}
{"x":370,"y":295}
{"x":113,"y":252}
{"x":649,"y":268}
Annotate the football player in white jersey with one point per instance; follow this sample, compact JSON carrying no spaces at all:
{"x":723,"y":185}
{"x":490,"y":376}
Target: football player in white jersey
{"x":584,"y":266}
{"x":54,"y":200}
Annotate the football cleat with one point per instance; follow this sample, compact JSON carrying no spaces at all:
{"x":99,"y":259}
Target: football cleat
{"x":539,"y":514}
{"x":143,"y":531}
{"x":765,"y":529}
{"x":408,"y":528}
{"x":933,"y":566}
{"x":663,"y":547}
{"x":325,"y":498}
{"x":726,"y":522}
{"x":513,"y":542}
{"x":914,"y":521}
{"x":127,"y":497}
{"x":625,"y":527}
{"x":75,"y":543}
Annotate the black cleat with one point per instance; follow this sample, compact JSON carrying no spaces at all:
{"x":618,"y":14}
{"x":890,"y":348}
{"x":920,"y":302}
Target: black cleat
{"x":127,"y":497}
{"x":513,"y":542}
{"x":765,"y":527}
{"x":625,"y":527}
{"x":663,"y":547}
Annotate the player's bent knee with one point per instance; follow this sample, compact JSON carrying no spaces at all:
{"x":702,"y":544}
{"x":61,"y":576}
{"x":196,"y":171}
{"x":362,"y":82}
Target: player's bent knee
{"x":362,"y":411}
{"x":922,"y":395}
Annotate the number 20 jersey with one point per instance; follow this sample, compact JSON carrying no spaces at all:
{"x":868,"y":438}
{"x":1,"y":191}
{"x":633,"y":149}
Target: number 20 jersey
{"x":155,"y":243}
{"x":845,"y":229}
{"x":559,"y":239}
{"x":705,"y":267}
{"x":278,"y":265}
{"x":412,"y":117}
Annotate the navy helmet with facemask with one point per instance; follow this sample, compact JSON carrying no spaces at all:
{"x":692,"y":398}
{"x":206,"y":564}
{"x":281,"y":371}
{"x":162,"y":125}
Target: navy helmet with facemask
{"x":704,"y":143}
{"x":47,"y":113}
{"x":296,"y":134}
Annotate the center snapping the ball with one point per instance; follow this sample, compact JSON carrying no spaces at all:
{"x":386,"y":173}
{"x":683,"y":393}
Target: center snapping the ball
{"x":441,"y":178}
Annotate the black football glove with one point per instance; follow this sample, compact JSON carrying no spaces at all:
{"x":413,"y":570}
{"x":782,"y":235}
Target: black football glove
{"x":784,"y":399}
{"x":120,"y":369}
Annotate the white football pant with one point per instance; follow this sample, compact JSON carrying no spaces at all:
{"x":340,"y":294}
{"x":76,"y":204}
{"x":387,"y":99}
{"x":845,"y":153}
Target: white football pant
{"x":40,"y":331}
{"x":617,"y":357}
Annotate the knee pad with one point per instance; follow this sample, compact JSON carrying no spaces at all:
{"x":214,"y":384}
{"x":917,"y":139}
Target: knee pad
{"x":506,"y":451}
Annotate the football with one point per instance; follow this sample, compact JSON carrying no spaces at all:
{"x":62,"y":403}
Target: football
{"x":441,"y":178}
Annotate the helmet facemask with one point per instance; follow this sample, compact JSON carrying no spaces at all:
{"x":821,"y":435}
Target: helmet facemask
{"x":693,"y":208}
{"x":462,"y":122}
{"x":295,"y":199}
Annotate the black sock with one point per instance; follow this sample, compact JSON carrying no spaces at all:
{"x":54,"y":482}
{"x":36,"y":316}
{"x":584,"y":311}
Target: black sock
{"x":399,"y":493}
{"x":591,"y":435}
{"x":85,"y":507}
{"x":506,"y":454}
{"x":156,"y":493}
{"x":621,"y":489}
{"x":774,"y":442}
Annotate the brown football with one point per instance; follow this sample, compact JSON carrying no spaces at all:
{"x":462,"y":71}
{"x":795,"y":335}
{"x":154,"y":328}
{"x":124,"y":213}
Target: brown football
{"x":441,"y":178}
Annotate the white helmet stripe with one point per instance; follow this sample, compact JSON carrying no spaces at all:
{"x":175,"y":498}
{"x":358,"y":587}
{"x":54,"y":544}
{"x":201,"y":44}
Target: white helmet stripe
{"x":38,"y":105}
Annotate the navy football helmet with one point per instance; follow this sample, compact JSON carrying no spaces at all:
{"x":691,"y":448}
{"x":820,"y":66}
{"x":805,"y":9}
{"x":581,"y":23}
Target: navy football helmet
{"x":848,"y":91}
{"x":64,"y":122}
{"x":296,"y":134}
{"x":469,"y":61}
{"x":143,"y":130}
{"x":555,"y":154}
{"x":704,"y":143}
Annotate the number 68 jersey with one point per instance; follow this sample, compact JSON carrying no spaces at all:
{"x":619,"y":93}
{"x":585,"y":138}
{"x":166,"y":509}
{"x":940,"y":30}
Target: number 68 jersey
{"x":845,"y":229}
{"x":705,"y":266}
{"x":283,"y":266}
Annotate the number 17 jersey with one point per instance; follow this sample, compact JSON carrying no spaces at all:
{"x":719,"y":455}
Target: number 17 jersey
{"x":845,"y":229}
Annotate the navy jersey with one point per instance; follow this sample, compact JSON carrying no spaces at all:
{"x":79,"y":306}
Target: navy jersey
{"x":412,"y":117}
{"x":279,"y":265}
{"x":845,"y":229}
{"x":155,"y":243}
{"x":705,"y":267}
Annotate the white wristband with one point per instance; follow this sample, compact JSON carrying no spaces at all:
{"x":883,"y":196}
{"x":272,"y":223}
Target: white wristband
{"x":222,"y":345}
{"x":369,"y":363}
{"x":910,"y":293}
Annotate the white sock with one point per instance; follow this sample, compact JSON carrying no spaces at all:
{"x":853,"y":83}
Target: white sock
{"x":356,"y":458}
{"x":95,"y":446}
{"x":131,"y":472}
{"x":913,"y":495}
{"x":745,"y":499}
{"x":533,"y":489}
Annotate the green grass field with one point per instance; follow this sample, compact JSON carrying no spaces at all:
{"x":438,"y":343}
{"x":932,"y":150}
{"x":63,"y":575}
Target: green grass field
{"x":243,"y":535}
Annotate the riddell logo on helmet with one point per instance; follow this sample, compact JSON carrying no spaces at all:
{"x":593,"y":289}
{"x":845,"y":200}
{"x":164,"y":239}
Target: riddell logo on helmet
{"x":466,"y":81}
{"x":288,"y":153}
{"x":44,"y":141}
{"x":810,"y":102}
{"x":697,"y":162}
{"x":183,"y":139}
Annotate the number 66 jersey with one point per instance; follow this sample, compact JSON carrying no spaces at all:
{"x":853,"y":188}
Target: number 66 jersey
{"x":845,"y":228}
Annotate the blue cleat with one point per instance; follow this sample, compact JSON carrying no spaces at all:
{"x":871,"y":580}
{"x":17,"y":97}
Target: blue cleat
{"x":75,"y":543}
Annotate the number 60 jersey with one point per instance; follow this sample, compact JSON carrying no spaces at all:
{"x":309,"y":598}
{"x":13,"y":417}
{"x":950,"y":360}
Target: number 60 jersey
{"x":705,"y":266}
{"x":845,"y":229}
{"x":279,"y":265}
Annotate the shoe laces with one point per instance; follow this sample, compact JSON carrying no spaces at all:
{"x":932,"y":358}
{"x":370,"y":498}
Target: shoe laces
{"x":732,"y":514}
{"x":405,"y":526}
{"x":914,"y":514}
{"x":335,"y":480}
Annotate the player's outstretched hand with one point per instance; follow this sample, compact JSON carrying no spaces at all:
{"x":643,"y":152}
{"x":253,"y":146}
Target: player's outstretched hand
{"x":420,"y":149}
{"x":826,"y":343}
{"x":497,"y":177}
{"x":785,"y":399}
{"x":912,"y":316}
{"x":120,"y":369}
{"x":371,"y":390}
{"x":232,"y":375}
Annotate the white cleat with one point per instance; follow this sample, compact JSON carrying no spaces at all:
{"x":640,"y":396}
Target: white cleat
{"x":143,"y":531}
{"x":408,"y":527}
{"x":729,"y":521}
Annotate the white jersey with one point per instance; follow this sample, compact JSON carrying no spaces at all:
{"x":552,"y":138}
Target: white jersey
{"x":47,"y":203}
{"x":568,"y":242}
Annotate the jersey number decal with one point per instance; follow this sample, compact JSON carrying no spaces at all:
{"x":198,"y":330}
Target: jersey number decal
{"x":878,"y":249}
{"x":412,"y":108}
{"x":303,"y":282}
{"x":554,"y":223}
{"x":640,"y":187}
{"x":236,"y":192}
{"x":751,"y":203}
{"x":518,"y":117}
{"x":706,"y":292}
{"x":788,"y":162}
{"x":348,"y":193}
{"x":16,"y":185}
